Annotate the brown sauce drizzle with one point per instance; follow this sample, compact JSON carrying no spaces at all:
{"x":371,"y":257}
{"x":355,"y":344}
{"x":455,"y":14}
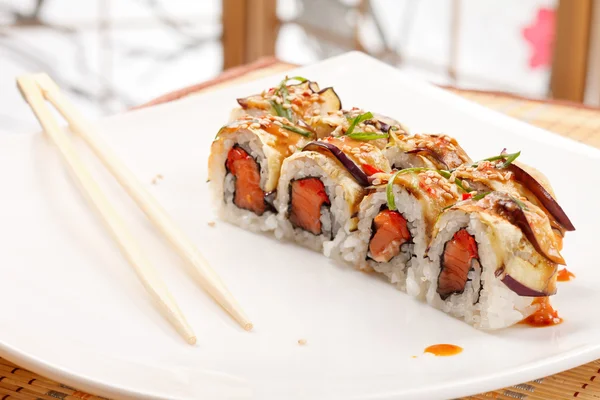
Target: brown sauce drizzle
{"x":544,"y":316}
{"x":443,"y":350}
{"x":565,"y":275}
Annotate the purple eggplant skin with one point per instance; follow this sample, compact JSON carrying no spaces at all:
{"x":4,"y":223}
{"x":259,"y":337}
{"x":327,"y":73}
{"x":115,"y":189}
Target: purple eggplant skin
{"x":543,"y":196}
{"x":306,"y":126}
{"x":521,"y":289}
{"x":510,"y":209}
{"x":354,"y":169}
{"x":243,"y":102}
{"x":313,"y":86}
{"x":431,"y":153}
{"x":330,"y":99}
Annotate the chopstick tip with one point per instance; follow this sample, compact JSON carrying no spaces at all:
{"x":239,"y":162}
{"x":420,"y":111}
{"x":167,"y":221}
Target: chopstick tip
{"x":191,"y":340}
{"x":248,"y":326}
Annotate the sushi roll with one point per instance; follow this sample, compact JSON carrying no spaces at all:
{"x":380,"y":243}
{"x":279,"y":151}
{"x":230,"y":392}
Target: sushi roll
{"x":296,"y":99}
{"x":244,"y":166}
{"x":490,"y":258}
{"x":321,"y":187}
{"x":440,"y":152}
{"x":395,"y":223}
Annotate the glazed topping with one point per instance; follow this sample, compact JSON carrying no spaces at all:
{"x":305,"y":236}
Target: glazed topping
{"x":278,"y":132}
{"x":433,"y":191}
{"x":500,"y":173}
{"x":530,"y":219}
{"x":295,"y":98}
{"x":424,"y":183}
{"x":360,"y":152}
{"x":442,"y":151}
{"x":359,"y":125}
{"x":360,"y":159}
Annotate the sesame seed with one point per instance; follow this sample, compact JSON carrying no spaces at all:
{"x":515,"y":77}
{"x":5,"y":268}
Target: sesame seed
{"x":211,"y":223}
{"x":302,"y":342}
{"x":428,"y":181}
{"x":287,"y":106}
{"x":254,"y":125}
{"x":316,"y":111}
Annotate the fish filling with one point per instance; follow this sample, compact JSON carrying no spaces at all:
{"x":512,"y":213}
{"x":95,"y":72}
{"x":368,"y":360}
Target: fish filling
{"x":460,"y":264}
{"x":308,"y":202}
{"x":389,"y":233}
{"x":246,"y":172}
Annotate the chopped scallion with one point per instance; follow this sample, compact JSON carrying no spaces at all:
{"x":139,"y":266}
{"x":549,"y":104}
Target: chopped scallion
{"x":362,"y":117}
{"x":367,"y":135}
{"x":296,"y":130}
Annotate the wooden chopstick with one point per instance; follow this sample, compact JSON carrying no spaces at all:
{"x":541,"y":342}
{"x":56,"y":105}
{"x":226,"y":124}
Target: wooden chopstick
{"x":115,"y":224}
{"x":207,"y":277}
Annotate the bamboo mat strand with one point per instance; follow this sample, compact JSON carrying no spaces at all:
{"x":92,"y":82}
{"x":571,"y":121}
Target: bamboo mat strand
{"x":577,"y":122}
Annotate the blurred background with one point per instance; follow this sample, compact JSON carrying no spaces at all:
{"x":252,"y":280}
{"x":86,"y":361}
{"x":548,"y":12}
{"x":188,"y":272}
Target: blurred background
{"x":115,"y":54}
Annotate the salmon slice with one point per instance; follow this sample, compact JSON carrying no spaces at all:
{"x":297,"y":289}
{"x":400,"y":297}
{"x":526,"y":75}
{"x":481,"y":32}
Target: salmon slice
{"x":307,"y":197}
{"x":456,"y":264}
{"x":390,"y":234}
{"x":248,"y":194}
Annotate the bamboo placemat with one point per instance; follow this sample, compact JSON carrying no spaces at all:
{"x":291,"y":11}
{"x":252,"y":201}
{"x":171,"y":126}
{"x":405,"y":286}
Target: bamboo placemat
{"x":568,"y":119}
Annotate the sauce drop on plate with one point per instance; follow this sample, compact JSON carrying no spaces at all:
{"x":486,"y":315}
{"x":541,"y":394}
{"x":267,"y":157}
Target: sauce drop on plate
{"x":444,"y":350}
{"x":544,"y":316}
{"x":565,"y":275}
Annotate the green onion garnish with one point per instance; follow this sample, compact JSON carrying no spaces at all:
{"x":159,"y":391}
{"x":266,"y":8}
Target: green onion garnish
{"x":480,"y":195}
{"x":508,"y":157}
{"x":281,"y":112}
{"x":362,"y":117}
{"x":389,"y":190}
{"x":296,"y":130}
{"x":367,"y":135}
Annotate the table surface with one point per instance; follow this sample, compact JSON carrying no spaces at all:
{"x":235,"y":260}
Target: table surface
{"x":572,"y":120}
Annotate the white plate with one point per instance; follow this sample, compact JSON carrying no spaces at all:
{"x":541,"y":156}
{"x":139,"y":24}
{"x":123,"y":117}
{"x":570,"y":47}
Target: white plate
{"x":74,"y":310}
